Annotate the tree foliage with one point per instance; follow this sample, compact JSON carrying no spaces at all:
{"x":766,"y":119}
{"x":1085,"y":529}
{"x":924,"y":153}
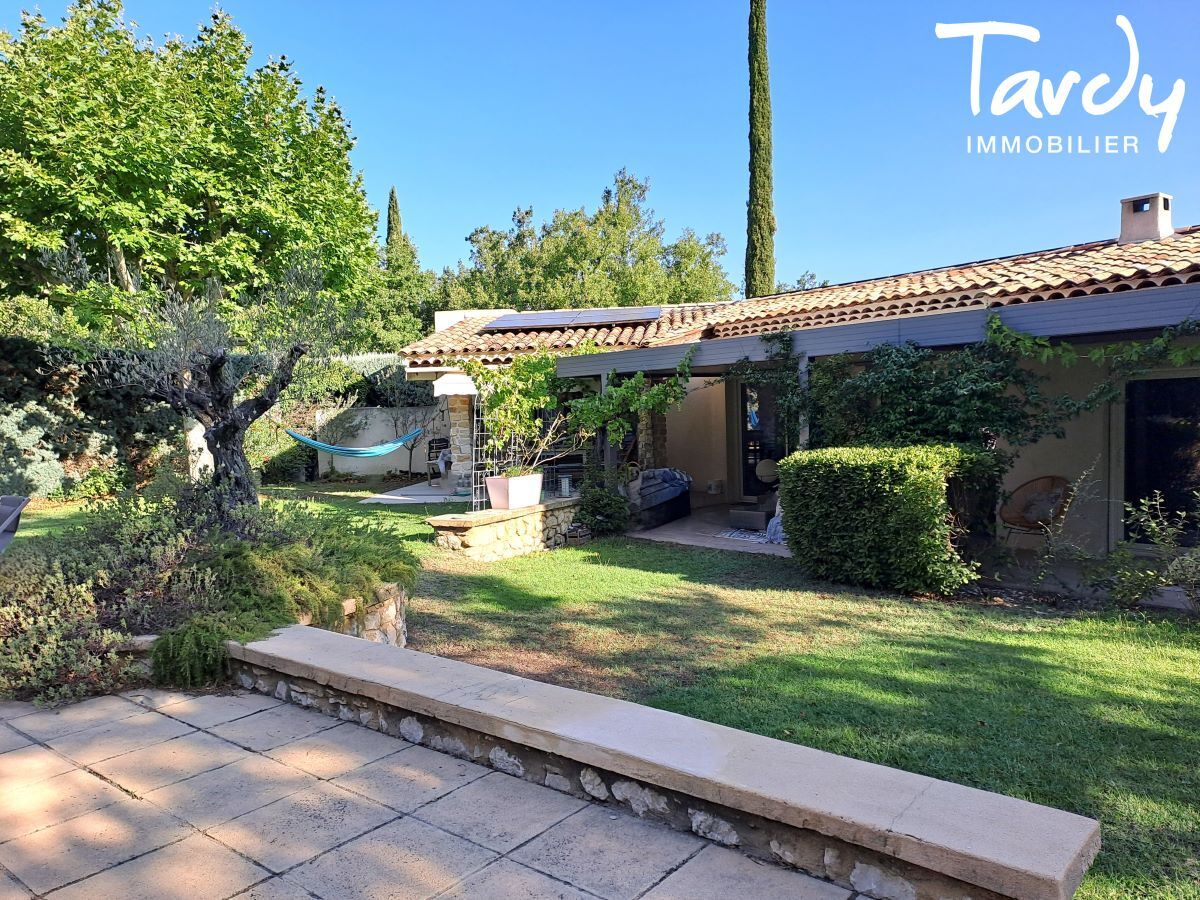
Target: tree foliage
{"x":399,"y":306}
{"x":760,"y":210}
{"x":536,"y":416}
{"x":615,"y":256}
{"x":174,"y":165}
{"x":194,"y":362}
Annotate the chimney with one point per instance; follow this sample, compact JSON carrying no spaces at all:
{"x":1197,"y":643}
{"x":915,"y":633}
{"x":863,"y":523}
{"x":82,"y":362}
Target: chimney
{"x":1145,"y":218}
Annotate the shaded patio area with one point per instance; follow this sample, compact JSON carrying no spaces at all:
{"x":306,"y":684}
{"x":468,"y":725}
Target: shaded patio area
{"x":709,"y":527}
{"x":157,"y":794}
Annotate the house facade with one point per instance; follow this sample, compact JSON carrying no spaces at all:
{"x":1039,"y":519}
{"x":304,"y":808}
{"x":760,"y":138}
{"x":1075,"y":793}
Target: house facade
{"x":1134,"y":285}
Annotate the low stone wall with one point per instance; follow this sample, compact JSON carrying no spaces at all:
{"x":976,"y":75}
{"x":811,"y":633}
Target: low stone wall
{"x":500,"y":533}
{"x":382,"y":621}
{"x":885,"y":833}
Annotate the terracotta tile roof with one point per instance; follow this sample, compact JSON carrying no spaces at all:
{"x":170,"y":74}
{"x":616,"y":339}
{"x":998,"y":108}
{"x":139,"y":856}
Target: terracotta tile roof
{"x":469,"y":339}
{"x":1075,"y":271}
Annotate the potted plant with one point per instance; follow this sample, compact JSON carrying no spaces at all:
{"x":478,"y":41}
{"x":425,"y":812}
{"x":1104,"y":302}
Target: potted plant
{"x":533,"y":417}
{"x":527,"y":422}
{"x":515,"y":489}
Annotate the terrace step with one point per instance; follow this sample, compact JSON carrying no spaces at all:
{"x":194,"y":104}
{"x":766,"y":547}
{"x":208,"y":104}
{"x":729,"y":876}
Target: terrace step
{"x":882,"y":831}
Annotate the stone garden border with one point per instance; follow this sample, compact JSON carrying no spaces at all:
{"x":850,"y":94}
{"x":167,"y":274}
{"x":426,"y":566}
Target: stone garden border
{"x":886,"y":833}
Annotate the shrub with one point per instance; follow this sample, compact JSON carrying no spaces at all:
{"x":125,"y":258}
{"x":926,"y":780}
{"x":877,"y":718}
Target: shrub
{"x":880,"y":516}
{"x":293,"y":563}
{"x":65,"y":417}
{"x":1130,"y":575}
{"x":295,"y":463}
{"x":164,"y":562}
{"x":52,"y":646}
{"x":27,"y":466}
{"x":601,"y":508}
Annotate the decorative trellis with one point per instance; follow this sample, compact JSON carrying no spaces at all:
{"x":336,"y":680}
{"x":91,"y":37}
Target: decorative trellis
{"x":487,"y":460}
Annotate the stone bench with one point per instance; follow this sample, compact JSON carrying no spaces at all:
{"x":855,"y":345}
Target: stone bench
{"x":886,"y":833}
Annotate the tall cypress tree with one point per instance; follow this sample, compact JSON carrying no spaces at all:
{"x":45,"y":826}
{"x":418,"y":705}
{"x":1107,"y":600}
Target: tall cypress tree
{"x":395,"y":230}
{"x":760,"y":213}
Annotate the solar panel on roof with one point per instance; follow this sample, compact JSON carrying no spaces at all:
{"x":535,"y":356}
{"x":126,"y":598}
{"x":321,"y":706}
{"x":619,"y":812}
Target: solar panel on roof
{"x":523,"y":321}
{"x":616,"y":316}
{"x":573,"y":318}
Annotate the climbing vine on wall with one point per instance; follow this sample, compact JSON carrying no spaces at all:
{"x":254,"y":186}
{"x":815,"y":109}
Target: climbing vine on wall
{"x":980,"y":395}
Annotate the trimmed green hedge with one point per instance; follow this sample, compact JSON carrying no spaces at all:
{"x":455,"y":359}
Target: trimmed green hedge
{"x":880,"y":516}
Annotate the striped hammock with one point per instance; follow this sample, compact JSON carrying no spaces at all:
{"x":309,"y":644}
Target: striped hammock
{"x":359,"y":452}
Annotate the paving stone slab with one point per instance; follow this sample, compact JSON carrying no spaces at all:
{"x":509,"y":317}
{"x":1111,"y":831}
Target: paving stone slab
{"x":29,"y":764}
{"x":10,"y":739}
{"x":337,"y":751}
{"x":11,"y":890}
{"x":197,"y":868}
{"x":500,"y":811}
{"x":408,"y":779}
{"x":406,"y":859}
{"x":216,"y":709}
{"x":513,"y":881}
{"x":219,"y":795}
{"x":141,"y":771}
{"x":607,"y":853}
{"x":54,"y":723}
{"x":41,"y":804}
{"x":11,"y":709}
{"x":719,"y":874}
{"x":277,"y":888}
{"x":88,"y":844}
{"x":115,"y":738}
{"x":300,"y":826}
{"x":273,"y":727}
{"x":153,"y":698}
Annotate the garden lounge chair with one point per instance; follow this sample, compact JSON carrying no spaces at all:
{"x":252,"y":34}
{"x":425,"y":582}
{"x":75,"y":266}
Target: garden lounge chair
{"x":10,"y":518}
{"x":1036,"y":505}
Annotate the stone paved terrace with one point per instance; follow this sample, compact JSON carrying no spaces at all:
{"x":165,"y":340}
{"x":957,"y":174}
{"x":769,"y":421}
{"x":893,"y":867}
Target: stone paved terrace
{"x":158,"y":794}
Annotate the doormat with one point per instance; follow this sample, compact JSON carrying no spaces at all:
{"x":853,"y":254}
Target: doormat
{"x":745,"y":534}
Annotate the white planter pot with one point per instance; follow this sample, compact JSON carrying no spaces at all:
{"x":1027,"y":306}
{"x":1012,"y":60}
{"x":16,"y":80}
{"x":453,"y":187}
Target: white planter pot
{"x":514,"y":493}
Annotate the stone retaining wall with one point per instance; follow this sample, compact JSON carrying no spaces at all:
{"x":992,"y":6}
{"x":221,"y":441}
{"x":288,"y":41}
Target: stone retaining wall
{"x":382,"y":621}
{"x":887,"y":834}
{"x":501,"y":533}
{"x":873,"y":874}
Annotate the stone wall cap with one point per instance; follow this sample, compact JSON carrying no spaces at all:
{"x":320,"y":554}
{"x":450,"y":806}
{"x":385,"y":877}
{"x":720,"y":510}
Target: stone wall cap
{"x":492,"y":516}
{"x":1003,"y":844}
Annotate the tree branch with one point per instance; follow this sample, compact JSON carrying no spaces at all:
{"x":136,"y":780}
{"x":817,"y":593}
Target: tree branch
{"x":252,"y":408}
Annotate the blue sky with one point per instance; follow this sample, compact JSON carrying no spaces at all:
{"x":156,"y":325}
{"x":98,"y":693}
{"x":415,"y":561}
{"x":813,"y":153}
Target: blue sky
{"x":472,"y":109}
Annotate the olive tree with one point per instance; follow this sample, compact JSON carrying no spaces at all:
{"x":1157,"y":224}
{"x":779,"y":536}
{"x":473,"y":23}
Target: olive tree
{"x":192,"y":360}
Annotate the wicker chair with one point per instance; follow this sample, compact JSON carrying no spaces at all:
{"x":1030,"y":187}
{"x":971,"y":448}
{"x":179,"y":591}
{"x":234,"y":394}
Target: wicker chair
{"x":1036,"y":505}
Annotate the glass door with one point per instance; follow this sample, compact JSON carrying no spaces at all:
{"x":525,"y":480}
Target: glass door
{"x":758,"y":424}
{"x":1162,"y":441}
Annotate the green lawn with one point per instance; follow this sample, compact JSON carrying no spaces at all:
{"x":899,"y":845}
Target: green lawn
{"x":1098,"y":713}
{"x":46,"y":517}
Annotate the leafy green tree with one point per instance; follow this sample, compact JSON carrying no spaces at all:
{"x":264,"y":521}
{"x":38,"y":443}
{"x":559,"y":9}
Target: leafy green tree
{"x":174,"y":165}
{"x":614,"y":256}
{"x":398,"y":308}
{"x":760,"y":213}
